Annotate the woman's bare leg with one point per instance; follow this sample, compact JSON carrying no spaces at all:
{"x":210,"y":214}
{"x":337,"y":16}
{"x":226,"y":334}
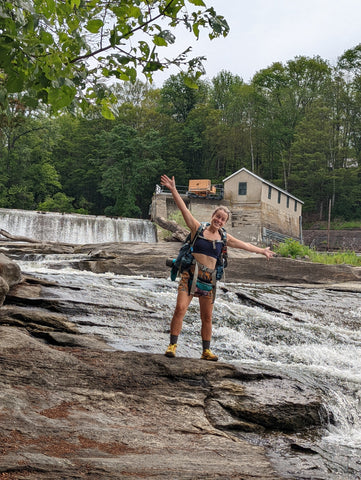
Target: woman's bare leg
{"x":206,"y":307}
{"x":183,"y":301}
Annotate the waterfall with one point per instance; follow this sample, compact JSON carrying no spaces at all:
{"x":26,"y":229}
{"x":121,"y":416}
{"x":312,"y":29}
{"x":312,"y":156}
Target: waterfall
{"x":75,"y":228}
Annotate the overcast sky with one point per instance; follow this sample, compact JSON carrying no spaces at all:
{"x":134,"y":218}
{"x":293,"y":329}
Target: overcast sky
{"x":267,"y":31}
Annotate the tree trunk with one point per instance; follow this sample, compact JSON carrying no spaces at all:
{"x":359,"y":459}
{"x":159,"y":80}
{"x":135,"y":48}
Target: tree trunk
{"x":179,"y":233}
{"x":17,"y":238}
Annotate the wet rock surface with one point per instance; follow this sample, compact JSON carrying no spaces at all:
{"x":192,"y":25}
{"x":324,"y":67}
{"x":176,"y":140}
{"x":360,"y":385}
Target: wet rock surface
{"x":137,"y":258}
{"x":149,"y":259}
{"x":86,"y":411}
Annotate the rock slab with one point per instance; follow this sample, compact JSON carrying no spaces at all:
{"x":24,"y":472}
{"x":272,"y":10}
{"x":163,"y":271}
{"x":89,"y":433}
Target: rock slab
{"x":88,"y":412}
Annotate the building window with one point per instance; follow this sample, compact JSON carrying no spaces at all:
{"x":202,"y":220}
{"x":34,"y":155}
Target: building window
{"x":288,"y":202}
{"x":242,"y":188}
{"x":269,"y":192}
{"x":295,"y":206}
{"x":279,"y":197}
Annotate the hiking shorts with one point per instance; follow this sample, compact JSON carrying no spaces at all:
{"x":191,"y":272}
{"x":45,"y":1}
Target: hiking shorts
{"x":204,"y":275}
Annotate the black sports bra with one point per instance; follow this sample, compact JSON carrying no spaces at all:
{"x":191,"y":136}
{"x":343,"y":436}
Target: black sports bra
{"x":211,"y":248}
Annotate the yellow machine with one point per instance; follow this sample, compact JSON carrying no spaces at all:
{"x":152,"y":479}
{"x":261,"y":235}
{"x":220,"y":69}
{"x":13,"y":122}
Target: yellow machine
{"x":201,"y":188}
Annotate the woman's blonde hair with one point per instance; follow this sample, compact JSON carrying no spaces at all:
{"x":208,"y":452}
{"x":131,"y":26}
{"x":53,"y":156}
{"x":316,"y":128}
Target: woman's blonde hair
{"x":224,"y":209}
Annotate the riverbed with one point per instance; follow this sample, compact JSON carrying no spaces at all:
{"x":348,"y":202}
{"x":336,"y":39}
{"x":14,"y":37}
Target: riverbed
{"x":310,"y":334}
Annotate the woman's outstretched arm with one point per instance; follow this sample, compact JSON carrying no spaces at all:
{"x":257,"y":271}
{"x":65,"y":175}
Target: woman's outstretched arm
{"x":235,"y":243}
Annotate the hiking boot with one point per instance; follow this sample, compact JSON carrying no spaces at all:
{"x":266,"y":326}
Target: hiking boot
{"x":172,"y":347}
{"x":208,"y":355}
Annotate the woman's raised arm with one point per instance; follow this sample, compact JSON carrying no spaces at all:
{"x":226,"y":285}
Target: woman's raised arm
{"x":191,"y":222}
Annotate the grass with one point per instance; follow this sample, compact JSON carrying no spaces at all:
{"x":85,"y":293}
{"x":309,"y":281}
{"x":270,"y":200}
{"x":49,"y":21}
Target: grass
{"x":292,"y":248}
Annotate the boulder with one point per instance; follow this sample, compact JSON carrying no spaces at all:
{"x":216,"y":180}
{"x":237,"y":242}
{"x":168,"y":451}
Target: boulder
{"x":88,"y":411}
{"x":10,"y":274}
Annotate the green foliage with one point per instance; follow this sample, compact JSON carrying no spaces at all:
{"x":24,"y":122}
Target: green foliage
{"x":58,"y":203}
{"x":292,"y":248}
{"x":336,"y":224}
{"x":131,"y":166}
{"x":350,"y":60}
{"x":296,"y":124}
{"x":46,"y":46}
{"x":178,"y":99}
{"x":346,"y":225}
{"x":342,"y":258}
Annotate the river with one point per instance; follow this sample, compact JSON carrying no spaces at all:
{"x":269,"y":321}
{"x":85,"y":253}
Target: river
{"x":317,"y":340}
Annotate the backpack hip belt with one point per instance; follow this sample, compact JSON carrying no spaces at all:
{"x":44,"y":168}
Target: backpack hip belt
{"x":199,"y":266}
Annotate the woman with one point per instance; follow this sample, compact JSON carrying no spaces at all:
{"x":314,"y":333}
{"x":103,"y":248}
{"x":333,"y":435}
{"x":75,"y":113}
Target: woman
{"x":206,"y":249}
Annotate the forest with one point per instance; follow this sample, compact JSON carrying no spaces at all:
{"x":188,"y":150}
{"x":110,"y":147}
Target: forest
{"x":298,"y":125}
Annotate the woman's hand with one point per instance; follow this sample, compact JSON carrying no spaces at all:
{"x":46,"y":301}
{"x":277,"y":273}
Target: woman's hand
{"x":191,"y":222}
{"x":267,"y":252}
{"x":167,"y":182}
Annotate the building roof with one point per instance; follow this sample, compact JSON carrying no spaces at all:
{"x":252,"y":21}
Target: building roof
{"x":264,"y":181}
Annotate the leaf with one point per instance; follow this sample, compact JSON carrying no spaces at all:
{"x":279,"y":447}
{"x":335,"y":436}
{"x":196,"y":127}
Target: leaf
{"x":48,"y":8}
{"x":132,"y":73}
{"x":144,"y":48}
{"x":107,"y":112}
{"x":196,"y":29}
{"x":73,"y":22}
{"x":15,"y":83}
{"x":61,"y":97}
{"x":168,"y":36}
{"x":219,"y":26}
{"x":46,"y":38}
{"x":114,"y":38}
{"x":123,"y":60}
{"x":93,"y":26}
{"x":199,"y":3}
{"x":159,"y":41}
{"x":134,"y":12}
{"x":152,"y":66}
{"x":189,"y":82}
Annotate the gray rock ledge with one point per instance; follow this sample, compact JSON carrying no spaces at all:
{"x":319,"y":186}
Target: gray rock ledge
{"x":86,"y":411}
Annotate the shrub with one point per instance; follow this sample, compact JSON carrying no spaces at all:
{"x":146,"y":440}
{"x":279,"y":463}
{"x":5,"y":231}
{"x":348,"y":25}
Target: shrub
{"x":292,"y":248}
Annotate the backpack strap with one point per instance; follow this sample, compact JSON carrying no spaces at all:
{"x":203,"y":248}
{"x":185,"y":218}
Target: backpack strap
{"x":200,"y":229}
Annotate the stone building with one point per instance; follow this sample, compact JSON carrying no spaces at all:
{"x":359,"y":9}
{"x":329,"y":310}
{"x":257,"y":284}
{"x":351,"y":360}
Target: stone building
{"x":261,"y":212}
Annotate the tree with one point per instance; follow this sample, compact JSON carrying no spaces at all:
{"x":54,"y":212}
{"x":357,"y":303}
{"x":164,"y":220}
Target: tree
{"x":178,"y":98}
{"x":223,"y":85}
{"x":131,"y":163}
{"x":61,"y":52}
{"x":287,"y":91}
{"x":350,"y":60}
{"x":77,"y":157}
{"x":26,"y":169}
{"x":57,"y":203}
{"x":349,"y":67}
{"x":312,"y":163}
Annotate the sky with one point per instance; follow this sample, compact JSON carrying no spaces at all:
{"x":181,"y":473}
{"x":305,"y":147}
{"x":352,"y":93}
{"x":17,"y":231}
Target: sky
{"x":266,"y":31}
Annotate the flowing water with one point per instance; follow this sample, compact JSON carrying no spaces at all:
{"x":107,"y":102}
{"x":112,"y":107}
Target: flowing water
{"x":75,"y":228}
{"x":317,"y":340}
